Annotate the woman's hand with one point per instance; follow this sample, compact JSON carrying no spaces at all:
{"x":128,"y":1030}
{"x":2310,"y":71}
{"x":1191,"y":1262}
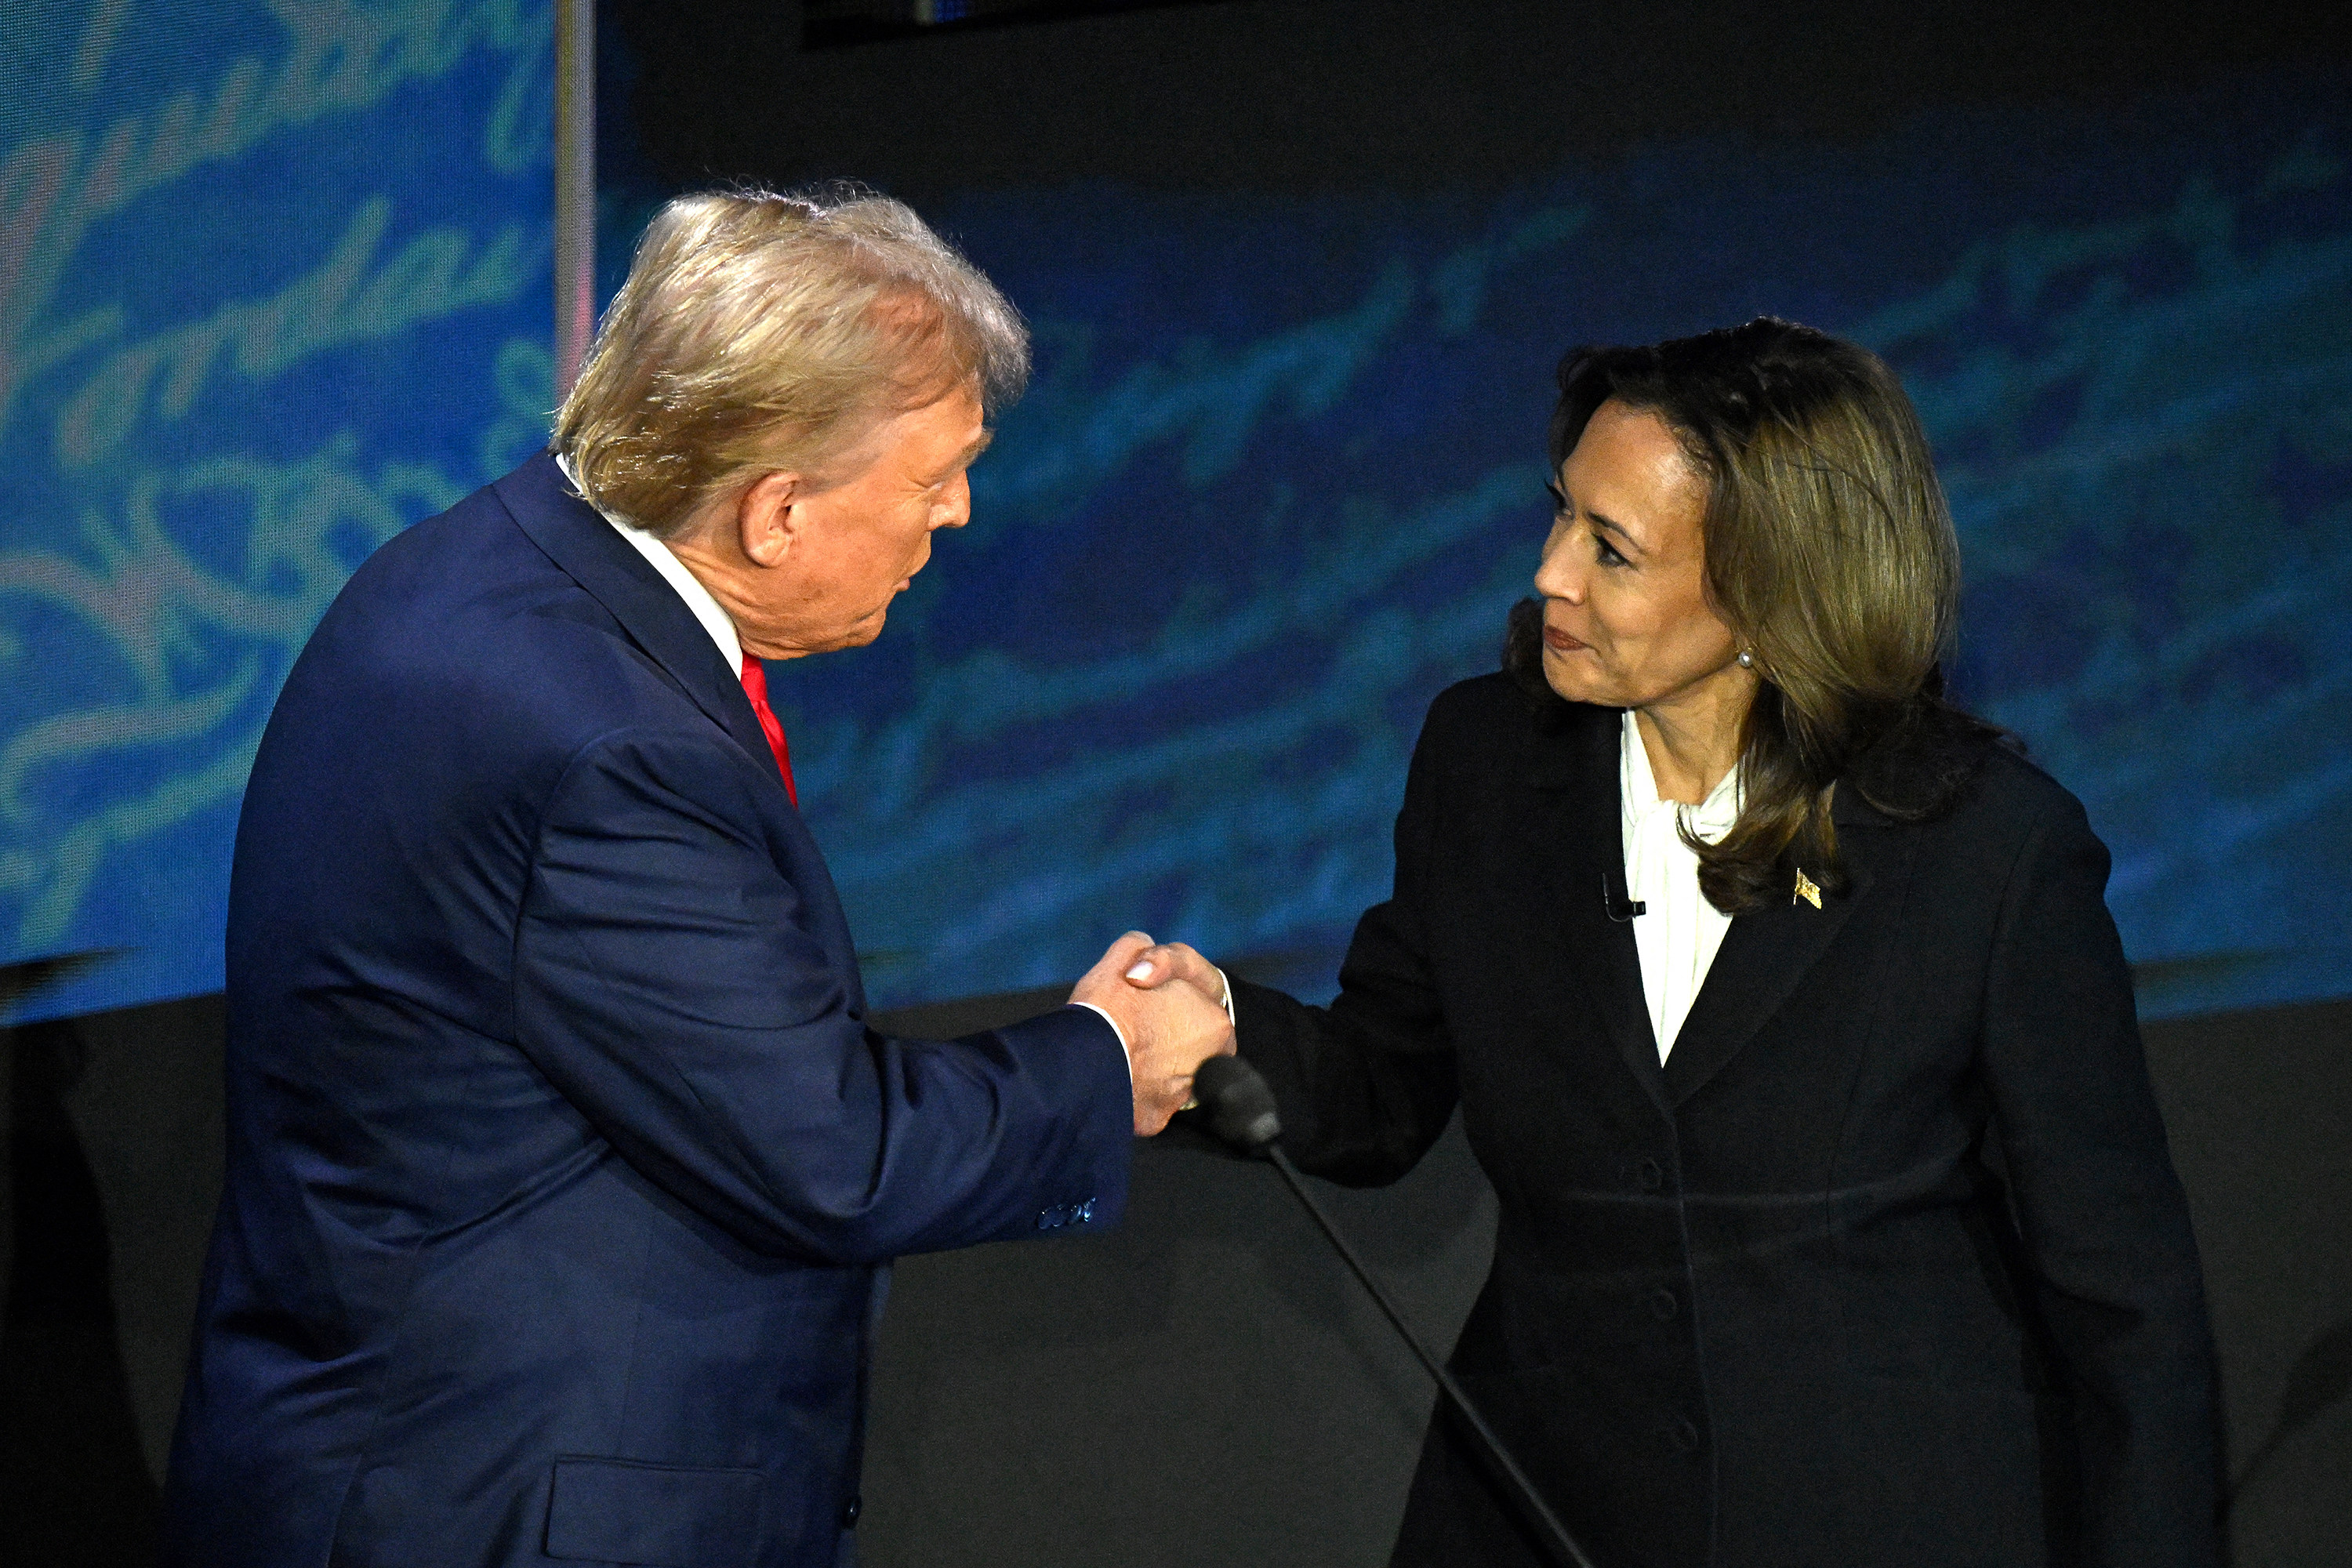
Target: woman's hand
{"x":1158,"y":964}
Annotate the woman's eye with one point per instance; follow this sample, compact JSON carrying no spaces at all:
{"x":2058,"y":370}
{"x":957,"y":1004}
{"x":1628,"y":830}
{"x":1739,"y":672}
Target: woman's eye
{"x":1608,"y":551}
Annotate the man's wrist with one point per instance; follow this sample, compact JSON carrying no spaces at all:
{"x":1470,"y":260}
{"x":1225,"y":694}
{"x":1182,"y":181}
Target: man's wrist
{"x":1125,"y":1049}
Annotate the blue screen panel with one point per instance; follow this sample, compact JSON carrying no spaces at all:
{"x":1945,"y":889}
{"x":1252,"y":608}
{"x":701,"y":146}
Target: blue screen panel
{"x":1281,"y":475}
{"x":272,"y":291}
{"x":274,"y":283}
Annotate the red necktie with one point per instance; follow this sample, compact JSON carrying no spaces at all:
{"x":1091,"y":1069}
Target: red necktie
{"x":755,"y":687}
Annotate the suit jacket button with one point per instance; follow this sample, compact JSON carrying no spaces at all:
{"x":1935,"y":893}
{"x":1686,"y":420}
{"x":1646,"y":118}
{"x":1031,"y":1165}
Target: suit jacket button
{"x":1663,"y":1305}
{"x":851,"y":1509}
{"x":1683,"y":1435}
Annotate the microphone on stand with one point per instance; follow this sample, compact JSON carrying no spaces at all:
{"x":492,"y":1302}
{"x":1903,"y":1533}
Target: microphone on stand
{"x":1242,"y":1114}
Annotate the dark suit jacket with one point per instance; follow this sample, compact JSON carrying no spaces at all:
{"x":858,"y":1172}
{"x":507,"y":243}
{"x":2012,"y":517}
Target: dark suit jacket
{"x":1886,"y":1268}
{"x":564,"y":1170}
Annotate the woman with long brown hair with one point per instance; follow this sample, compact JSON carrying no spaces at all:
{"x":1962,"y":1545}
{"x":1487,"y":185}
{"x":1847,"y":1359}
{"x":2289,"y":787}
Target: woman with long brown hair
{"x":1784,"y":1011}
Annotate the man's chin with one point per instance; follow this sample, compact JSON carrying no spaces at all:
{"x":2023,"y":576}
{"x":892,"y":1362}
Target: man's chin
{"x":860,"y":633}
{"x":857,"y":633}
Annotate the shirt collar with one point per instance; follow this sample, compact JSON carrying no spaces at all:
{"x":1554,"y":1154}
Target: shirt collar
{"x":707,"y":609}
{"x":1638,"y":788}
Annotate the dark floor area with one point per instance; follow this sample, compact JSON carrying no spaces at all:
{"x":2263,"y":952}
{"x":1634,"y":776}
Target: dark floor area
{"x":1109,"y":1368}
{"x":74,"y":1489}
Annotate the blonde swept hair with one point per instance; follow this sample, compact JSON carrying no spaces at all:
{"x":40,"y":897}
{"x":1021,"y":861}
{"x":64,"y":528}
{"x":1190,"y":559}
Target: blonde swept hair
{"x":761,"y":330}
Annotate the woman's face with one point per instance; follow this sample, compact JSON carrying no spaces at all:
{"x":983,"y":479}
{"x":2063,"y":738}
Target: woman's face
{"x":1627,"y":619}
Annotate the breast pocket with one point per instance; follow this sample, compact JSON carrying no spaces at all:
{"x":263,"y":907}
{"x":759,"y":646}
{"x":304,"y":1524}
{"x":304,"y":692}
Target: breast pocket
{"x":660,"y":1515}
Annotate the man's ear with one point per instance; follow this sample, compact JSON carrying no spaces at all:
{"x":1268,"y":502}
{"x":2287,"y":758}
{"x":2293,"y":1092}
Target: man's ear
{"x":769,"y":519}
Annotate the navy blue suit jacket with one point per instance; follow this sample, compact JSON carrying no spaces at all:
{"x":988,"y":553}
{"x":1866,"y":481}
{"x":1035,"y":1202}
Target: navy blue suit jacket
{"x":564,"y":1170}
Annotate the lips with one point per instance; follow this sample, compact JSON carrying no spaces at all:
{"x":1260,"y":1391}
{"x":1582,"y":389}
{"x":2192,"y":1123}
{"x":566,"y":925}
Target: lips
{"x":1559,"y":641}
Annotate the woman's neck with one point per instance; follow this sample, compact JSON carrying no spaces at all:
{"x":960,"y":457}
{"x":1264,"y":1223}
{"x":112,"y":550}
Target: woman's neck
{"x":1692,"y":739}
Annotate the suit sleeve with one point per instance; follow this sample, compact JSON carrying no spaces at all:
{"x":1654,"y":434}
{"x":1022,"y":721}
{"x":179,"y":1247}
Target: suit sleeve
{"x":670,"y":982}
{"x":1367,"y":1085}
{"x":2105,"y":1221}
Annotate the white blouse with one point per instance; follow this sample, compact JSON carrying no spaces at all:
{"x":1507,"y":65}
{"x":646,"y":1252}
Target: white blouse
{"x":1679,"y":931}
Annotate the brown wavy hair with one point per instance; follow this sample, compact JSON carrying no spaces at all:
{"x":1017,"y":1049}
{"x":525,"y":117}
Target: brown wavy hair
{"x":1831,"y":556}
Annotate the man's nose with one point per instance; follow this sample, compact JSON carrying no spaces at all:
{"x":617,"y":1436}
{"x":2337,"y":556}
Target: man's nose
{"x":957,"y":511}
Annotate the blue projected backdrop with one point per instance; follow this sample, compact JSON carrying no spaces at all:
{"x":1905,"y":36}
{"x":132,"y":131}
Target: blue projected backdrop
{"x":274,"y":283}
{"x":1278,"y":479}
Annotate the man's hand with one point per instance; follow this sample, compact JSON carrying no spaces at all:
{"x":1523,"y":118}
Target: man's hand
{"x":1169,"y":1030}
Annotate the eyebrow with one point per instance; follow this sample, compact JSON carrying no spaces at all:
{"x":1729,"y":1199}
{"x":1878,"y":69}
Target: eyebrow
{"x":1602,"y":524}
{"x":1599,"y":522}
{"x":972,"y":450}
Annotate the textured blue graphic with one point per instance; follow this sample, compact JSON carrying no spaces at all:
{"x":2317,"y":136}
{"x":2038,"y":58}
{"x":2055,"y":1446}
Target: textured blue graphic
{"x":273,"y":284}
{"x":1280,"y":478}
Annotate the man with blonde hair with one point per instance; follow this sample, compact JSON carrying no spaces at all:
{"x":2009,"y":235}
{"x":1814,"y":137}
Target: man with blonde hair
{"x":564,"y":1170}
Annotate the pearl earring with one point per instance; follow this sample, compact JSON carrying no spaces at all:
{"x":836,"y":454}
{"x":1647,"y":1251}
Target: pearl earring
{"x":1746,"y":660}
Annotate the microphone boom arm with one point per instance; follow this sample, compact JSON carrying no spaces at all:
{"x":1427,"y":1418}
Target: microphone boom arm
{"x":1561,"y":1545}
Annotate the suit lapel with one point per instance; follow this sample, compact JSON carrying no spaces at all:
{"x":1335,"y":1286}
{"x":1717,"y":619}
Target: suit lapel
{"x":1579,"y":841}
{"x":1766,"y":951}
{"x":543,"y":504}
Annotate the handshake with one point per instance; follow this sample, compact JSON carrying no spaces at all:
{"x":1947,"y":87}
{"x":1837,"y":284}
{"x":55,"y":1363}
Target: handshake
{"x":1170,"y":1004}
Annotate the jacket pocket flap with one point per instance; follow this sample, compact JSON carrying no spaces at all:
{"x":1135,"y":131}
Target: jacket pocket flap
{"x":661,"y":1516}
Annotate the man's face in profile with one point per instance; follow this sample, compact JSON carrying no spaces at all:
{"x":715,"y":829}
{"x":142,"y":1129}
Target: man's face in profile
{"x":861,"y":540}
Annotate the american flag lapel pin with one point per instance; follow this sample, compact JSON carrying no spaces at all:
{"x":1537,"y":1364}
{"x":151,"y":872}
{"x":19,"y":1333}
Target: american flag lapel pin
{"x":1807,"y":891}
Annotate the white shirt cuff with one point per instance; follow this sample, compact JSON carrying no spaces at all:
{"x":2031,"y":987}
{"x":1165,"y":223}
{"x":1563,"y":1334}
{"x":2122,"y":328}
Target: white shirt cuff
{"x":1126,"y":1051}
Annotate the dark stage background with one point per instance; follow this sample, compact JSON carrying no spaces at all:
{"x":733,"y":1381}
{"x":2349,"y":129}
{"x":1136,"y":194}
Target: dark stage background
{"x":1298,"y":271}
